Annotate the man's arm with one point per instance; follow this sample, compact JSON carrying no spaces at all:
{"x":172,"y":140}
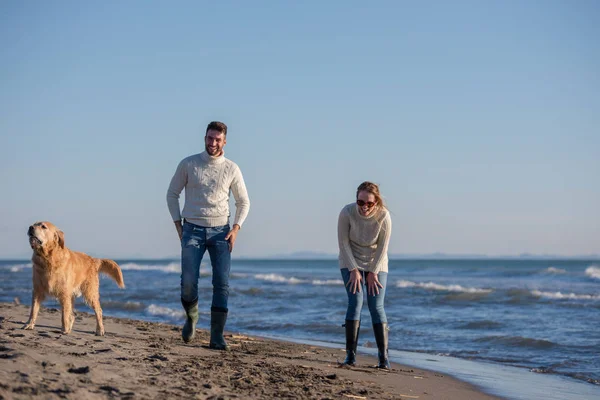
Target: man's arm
{"x":177,"y":184}
{"x":179,"y":229}
{"x":242,"y":206}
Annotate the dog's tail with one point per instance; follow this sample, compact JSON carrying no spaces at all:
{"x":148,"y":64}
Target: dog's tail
{"x":111,"y":268}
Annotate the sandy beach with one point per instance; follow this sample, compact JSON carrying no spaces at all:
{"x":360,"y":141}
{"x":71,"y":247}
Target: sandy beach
{"x":138,"y":359}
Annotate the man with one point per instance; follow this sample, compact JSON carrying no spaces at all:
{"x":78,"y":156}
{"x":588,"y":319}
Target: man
{"x":208,"y":178}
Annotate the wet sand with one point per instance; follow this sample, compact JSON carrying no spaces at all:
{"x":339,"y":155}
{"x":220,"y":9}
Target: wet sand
{"x":144,"y":360}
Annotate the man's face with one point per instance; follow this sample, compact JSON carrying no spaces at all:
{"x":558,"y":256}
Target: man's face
{"x":214,"y":141}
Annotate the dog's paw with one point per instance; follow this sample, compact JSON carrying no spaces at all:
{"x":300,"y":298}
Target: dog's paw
{"x":100,"y":332}
{"x":28,"y":327}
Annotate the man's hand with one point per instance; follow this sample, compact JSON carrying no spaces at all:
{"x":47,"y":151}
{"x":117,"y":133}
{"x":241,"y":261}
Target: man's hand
{"x":354,"y":281}
{"x":373,"y":284}
{"x":179,"y":229}
{"x":231,"y":236}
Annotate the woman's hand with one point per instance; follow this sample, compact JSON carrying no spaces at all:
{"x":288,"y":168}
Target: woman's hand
{"x":354,"y":282}
{"x":373,"y":284}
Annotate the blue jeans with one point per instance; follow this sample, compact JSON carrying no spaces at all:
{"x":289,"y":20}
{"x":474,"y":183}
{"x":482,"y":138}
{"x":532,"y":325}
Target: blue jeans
{"x":194,"y":243}
{"x":355,"y":301}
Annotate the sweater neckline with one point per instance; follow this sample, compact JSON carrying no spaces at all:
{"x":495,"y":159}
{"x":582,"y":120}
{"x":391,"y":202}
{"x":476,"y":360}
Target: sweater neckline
{"x":212,"y":159}
{"x":368,"y":217}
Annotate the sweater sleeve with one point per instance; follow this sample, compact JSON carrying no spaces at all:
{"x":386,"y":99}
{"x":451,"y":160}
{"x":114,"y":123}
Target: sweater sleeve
{"x":383,"y":241}
{"x":344,"y":240}
{"x":240,"y":194}
{"x":177,"y":184}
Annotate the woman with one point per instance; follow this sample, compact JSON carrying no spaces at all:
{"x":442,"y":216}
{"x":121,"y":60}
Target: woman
{"x":364,"y":230}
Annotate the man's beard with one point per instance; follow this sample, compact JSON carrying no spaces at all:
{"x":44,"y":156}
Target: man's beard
{"x":217,"y":151}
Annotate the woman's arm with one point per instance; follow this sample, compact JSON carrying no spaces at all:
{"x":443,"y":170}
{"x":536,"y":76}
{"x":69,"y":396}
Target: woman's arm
{"x":383,"y":241}
{"x":344,"y":240}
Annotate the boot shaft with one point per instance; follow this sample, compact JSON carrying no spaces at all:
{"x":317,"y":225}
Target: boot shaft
{"x":381,"y":337}
{"x":218,"y":318}
{"x":191,"y":309}
{"x":352,"y":330}
{"x":381,"y":334}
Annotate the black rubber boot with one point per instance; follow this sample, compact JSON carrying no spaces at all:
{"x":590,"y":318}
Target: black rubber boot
{"x":189,"y":328}
{"x":218,"y":318}
{"x":352,"y":330}
{"x":381,"y":337}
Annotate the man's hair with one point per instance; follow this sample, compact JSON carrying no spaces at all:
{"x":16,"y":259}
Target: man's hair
{"x":217,"y":126}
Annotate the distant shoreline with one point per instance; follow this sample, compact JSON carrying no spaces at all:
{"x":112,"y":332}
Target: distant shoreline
{"x":393,"y":257}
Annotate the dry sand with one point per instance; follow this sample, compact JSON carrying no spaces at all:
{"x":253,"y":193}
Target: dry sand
{"x":141,"y":360}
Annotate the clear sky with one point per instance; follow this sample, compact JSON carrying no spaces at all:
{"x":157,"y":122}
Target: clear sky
{"x":480,"y":120}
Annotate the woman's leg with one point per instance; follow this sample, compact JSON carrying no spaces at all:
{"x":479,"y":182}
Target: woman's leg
{"x":355,"y":300}
{"x":352,"y":323}
{"x":379,"y":319}
{"x":375,"y":302}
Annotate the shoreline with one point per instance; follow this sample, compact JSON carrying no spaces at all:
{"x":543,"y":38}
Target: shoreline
{"x":495,"y":379}
{"x":139,"y":359}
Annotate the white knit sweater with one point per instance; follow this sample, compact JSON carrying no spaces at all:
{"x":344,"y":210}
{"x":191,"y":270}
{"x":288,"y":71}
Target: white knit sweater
{"x":363,"y":241}
{"x":208,"y":181}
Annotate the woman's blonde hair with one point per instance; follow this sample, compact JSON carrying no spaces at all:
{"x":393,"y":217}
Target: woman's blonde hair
{"x":374,"y":190}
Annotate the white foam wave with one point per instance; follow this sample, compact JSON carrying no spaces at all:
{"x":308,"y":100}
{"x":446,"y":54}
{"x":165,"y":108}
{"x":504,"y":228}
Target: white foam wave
{"x":165,"y":311}
{"x":328,"y":282}
{"x":593,"y":271}
{"x":565,"y":296}
{"x":553,"y":270}
{"x":171,"y":267}
{"x":278,"y":278}
{"x":436,"y":286}
{"x":19,"y":267}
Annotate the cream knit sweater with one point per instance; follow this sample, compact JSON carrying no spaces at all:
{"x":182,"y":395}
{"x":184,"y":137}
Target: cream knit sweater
{"x":207,"y":181}
{"x":363,"y":241}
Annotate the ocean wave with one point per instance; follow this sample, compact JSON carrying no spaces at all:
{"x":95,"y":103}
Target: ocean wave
{"x":278,"y":278}
{"x":593,"y":271}
{"x":328,"y":282}
{"x":171,"y":267}
{"x":436,"y":286}
{"x":174,"y":267}
{"x":160,"y":311}
{"x":565,"y":296}
{"x":121,"y":305}
{"x":553,"y":270}
{"x":483,"y":324}
{"x":252,"y":291}
{"x":17,"y":267}
{"x":518,"y":341}
{"x":295,"y":281}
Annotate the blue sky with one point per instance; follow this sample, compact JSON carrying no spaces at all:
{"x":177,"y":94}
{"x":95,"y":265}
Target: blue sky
{"x":480,"y":120}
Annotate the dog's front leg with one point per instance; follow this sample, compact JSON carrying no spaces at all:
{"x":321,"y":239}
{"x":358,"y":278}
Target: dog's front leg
{"x":36,"y":300}
{"x":67,"y":313}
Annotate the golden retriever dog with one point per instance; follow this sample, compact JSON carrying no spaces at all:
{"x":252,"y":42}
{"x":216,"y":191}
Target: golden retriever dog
{"x":65,"y":274}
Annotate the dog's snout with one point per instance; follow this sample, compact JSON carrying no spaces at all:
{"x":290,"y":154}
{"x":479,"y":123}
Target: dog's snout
{"x":30,"y":230}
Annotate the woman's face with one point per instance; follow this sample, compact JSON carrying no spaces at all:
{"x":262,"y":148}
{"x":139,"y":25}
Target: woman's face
{"x":366,"y":203}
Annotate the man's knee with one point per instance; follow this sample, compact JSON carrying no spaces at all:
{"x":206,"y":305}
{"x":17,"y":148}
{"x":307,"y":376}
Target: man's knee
{"x":189,"y":289}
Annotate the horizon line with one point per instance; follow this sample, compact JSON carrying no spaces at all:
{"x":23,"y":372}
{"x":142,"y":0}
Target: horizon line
{"x":399,"y":256}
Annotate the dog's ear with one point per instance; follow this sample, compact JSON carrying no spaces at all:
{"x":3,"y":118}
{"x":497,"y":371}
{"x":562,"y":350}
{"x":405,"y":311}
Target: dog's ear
{"x":60,"y":238}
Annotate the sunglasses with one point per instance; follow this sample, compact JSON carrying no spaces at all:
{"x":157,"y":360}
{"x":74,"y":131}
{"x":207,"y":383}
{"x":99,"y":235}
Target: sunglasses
{"x":362,"y":203}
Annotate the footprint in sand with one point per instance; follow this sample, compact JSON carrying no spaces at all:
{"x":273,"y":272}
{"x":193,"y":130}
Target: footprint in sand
{"x":80,"y":370}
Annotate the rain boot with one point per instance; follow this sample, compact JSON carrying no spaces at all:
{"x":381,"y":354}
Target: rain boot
{"x":189,"y":328}
{"x":352,"y":329}
{"x":381,"y":337}
{"x":218,"y":317}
